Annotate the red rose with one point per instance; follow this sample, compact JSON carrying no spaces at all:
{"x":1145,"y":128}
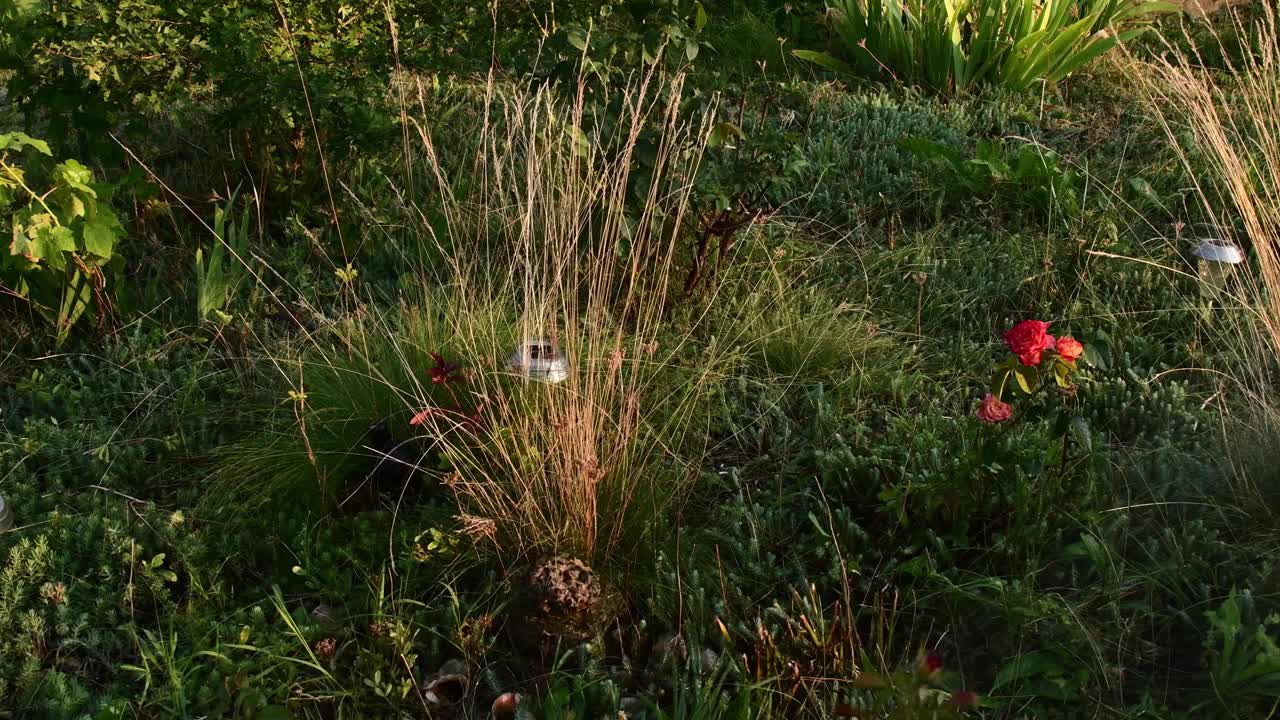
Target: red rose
{"x":993,"y":410}
{"x":1069,"y":348}
{"x":1028,"y":339}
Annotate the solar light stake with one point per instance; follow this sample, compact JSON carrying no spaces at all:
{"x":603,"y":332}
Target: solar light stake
{"x":1216,"y":263}
{"x":539,"y":359}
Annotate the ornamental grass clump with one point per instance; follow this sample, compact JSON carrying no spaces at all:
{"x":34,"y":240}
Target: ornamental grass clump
{"x":948,"y":45}
{"x":589,"y":466}
{"x":538,"y":233}
{"x":1225,"y":129}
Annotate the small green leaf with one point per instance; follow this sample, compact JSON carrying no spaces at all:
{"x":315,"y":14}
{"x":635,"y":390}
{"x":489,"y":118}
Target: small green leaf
{"x":1144,"y":190}
{"x":1028,"y":378}
{"x":74,"y":175}
{"x":1062,"y":373}
{"x":721,"y":133}
{"x":1097,"y":354}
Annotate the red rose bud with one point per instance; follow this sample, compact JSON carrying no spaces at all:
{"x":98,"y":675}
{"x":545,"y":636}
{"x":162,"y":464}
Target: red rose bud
{"x":993,"y":410}
{"x":964,"y":699}
{"x":1069,"y":348}
{"x":1028,"y":339}
{"x":868,"y":681}
{"x":505,"y":705}
{"x":930,"y":664}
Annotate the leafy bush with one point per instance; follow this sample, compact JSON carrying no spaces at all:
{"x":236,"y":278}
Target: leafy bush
{"x":64,"y":236}
{"x":954,"y":44}
{"x":1032,"y":174}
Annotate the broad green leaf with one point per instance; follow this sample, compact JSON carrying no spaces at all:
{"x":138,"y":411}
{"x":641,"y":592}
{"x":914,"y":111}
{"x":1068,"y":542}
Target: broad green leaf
{"x":1097,"y":354}
{"x":824,"y":60}
{"x":19,"y":140}
{"x":1082,"y":57}
{"x":1037,"y":663}
{"x":74,"y":175}
{"x":42,"y":239}
{"x":581,"y":143}
{"x":721,"y":133}
{"x":999,"y":379}
{"x":100,"y":234}
{"x":929,"y":150}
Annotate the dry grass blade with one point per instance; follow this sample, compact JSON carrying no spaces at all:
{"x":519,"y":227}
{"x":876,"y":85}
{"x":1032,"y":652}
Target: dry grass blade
{"x":1229,"y":123}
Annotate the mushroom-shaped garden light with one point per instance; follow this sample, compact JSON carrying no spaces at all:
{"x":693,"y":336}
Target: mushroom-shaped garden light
{"x":1216,"y":262}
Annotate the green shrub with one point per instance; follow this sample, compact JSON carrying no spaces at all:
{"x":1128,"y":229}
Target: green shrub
{"x":1033,"y":175}
{"x":63,"y":258}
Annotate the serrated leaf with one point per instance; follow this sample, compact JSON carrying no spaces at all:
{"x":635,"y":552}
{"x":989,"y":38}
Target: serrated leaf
{"x":100,"y":234}
{"x":20,"y":140}
{"x":72,"y":174}
{"x":42,"y":240}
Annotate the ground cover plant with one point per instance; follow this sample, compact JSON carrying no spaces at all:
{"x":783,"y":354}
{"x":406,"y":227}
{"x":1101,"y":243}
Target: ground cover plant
{"x":721,"y":359}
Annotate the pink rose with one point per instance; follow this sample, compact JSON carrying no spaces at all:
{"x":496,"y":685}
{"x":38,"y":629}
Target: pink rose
{"x":1028,"y":339}
{"x":1069,"y":348}
{"x":994,"y":410}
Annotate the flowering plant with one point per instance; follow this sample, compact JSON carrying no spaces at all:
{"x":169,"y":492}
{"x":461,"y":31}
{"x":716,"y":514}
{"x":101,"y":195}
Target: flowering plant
{"x":449,"y":375}
{"x":1034,"y":355}
{"x":924,"y":690}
